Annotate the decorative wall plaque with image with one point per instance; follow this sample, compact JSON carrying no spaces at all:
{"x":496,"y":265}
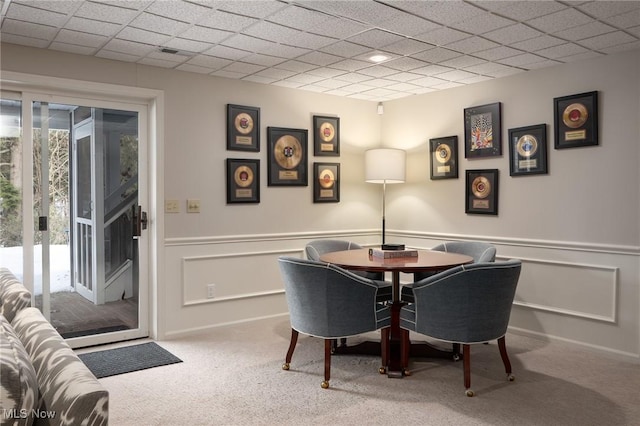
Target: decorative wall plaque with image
{"x":483,"y":130}
{"x":243,"y":128}
{"x":326,"y":182}
{"x":287,"y":156}
{"x":576,"y":120}
{"x":482,"y":192}
{"x":243,"y":181}
{"x":444,"y":157}
{"x":326,"y":136}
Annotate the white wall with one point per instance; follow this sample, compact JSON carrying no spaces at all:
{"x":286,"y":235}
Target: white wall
{"x":577,"y":228}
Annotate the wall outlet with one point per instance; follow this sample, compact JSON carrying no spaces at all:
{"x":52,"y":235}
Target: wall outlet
{"x":193,"y":206}
{"x":211,"y":291}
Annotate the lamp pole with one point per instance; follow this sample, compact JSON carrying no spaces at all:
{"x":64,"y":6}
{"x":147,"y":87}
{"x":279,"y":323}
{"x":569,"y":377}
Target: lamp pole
{"x":384,"y":203}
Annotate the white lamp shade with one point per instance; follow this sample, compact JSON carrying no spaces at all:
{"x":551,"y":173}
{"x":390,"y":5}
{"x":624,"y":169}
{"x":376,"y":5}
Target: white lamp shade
{"x":385,"y":165}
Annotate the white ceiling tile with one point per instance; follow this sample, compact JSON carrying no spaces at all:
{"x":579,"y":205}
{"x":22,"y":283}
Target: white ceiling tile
{"x":355,"y":88}
{"x":81,"y":39}
{"x":295,"y":66}
{"x":472,"y":44}
{"x":117,"y":56}
{"x":129,"y":47}
{"x":428,"y":81}
{"x":505,"y":72}
{"x":273,"y":32}
{"x":353,"y":77}
{"x":265,"y":60}
{"x":26,"y":41}
{"x":582,"y":56}
{"x":241,"y":67}
{"x":308,"y":41}
{"x":521,"y":10}
{"x":475,"y":79}
{"x":339,"y":28}
{"x":404,"y":87}
{"x":157,"y":63}
{"x":169,"y":57}
{"x":305,"y":78}
{"x":259,"y":79}
{"x":319,"y":58}
{"x":606,"y":9}
{"x":375,"y":38}
{"x":350,"y":65}
{"x":447,"y":85}
{"x":512,"y":34}
{"x":284,"y":51}
{"x":407,"y":24}
{"x":326,"y":72}
{"x":193,"y":68}
{"x":403,"y":76}
{"x":378,"y":82}
{"x":496,"y":53}
{"x":244,"y":42}
{"x":227,"y":52}
{"x":542,"y":64}
{"x":228,"y":74}
{"x":442,"y":36}
{"x":290,"y":84}
{"x":300,"y":18}
{"x":538,"y":43}
{"x":158,"y":24}
{"x":180,"y":10}
{"x":73,"y":48}
{"x":331,"y":84}
{"x":314,"y":88}
{"x":607,"y":40}
{"x":558,"y":52}
{"x":106,"y":12}
{"x":456,"y":75}
{"x":226,"y":21}
{"x":205,"y":34}
{"x":252,"y":8}
{"x":379,"y":92}
{"x":432,"y":70}
{"x":488,"y":68}
{"x":405,"y":64}
{"x":210,"y":62}
{"x":585,"y":31}
{"x":27,"y":29}
{"x":560,"y":21}
{"x":378,"y":71}
{"x":445,"y":12}
{"x":482,"y":23}
{"x":463,"y":61}
{"x":407,"y":46}
{"x":142,"y":36}
{"x":38,"y":16}
{"x":187,"y":45}
{"x":64,"y":7}
{"x":621,"y":47}
{"x":625,"y":20}
{"x":522,"y":60}
{"x":437,"y":55}
{"x":92,"y":26}
{"x":368,"y":12}
{"x":345,"y":49}
{"x":337,"y":92}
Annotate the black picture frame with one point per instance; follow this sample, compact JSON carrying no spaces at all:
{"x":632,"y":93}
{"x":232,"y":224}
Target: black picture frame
{"x":326,"y":182}
{"x":288,"y":153}
{"x":528,"y":150}
{"x":575,"y":119}
{"x":483,"y":131}
{"x":326,"y":136}
{"x":243,"y":128}
{"x":443,"y":154}
{"x":243,"y":180}
{"x":482,"y":191}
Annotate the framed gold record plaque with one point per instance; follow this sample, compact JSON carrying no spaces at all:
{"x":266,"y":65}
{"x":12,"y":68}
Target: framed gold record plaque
{"x":326,"y":182}
{"x":576,"y":120}
{"x":326,"y":136}
{"x":482,"y":192}
{"x":444,"y":157}
{"x":528,"y":150}
{"x":483,"y":131}
{"x":287,"y":164}
{"x":243,"y":128}
{"x":243,"y":181}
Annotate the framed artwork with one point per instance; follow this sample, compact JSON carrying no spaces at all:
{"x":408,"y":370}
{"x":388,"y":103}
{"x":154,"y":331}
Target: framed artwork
{"x":482,"y":192}
{"x":326,"y":136}
{"x":483,"y":130}
{"x":287,"y":164}
{"x":243,"y":181}
{"x":575,"y":120}
{"x":444,"y":157}
{"x":243,"y":128}
{"x":326,"y":182}
{"x":528,"y":150}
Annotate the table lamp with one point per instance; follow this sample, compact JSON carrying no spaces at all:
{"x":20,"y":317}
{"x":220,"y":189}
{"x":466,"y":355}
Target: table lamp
{"x":384,"y":165}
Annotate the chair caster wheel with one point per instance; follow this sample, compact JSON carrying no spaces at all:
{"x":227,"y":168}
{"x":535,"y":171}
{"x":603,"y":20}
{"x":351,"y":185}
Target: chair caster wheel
{"x":325,"y":384}
{"x":285,"y":366}
{"x":511,"y":377}
{"x":382,"y":370}
{"x":469,"y":393}
{"x":407,"y":372}
{"x":456,"y":357}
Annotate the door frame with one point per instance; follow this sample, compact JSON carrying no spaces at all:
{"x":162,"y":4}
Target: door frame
{"x":42,"y":88}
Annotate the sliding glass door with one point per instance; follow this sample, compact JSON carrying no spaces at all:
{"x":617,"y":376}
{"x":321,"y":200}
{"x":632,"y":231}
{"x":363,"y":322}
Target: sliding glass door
{"x":81,"y":250}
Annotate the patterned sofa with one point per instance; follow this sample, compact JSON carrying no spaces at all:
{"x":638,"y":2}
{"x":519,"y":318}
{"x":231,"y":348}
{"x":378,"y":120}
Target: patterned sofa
{"x":42,"y":381}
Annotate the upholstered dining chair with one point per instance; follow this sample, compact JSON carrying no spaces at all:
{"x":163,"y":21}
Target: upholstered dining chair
{"x":480,"y":251}
{"x":464,"y":305}
{"x":329,"y":302}
{"x":316,"y":248}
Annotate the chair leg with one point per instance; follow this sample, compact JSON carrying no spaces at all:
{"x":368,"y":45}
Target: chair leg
{"x":292,"y":347}
{"x":466,"y":360}
{"x":405,"y":349}
{"x":327,"y":363}
{"x":384,"y":349}
{"x":505,"y":358}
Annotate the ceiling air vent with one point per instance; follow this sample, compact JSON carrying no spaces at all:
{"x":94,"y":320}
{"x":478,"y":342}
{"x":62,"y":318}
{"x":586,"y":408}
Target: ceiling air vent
{"x":168,"y":50}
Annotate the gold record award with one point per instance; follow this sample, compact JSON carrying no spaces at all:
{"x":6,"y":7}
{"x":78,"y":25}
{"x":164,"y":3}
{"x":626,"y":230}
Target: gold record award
{"x":288,"y":152}
{"x":243,"y":176}
{"x":527,"y":145}
{"x":327,"y":131}
{"x":326,"y":178}
{"x":443,"y":153}
{"x":575,"y":115}
{"x":481,"y":187}
{"x":244,"y":123}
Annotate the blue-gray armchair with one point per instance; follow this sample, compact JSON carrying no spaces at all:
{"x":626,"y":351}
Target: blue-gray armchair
{"x":329,"y":302}
{"x":464,"y":305}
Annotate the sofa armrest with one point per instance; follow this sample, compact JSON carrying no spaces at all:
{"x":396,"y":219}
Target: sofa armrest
{"x":13,"y":295}
{"x":67,"y":386}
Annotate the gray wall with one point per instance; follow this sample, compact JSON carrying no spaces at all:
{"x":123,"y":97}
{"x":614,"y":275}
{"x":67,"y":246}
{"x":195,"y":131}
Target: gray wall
{"x":577,"y":229}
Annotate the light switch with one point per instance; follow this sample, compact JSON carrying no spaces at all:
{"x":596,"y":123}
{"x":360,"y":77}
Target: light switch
{"x":193,"y":206}
{"x":171,"y":206}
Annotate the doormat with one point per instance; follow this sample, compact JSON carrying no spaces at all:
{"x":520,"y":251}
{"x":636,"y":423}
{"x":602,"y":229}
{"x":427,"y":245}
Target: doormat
{"x":99,"y":330}
{"x":127,"y":359}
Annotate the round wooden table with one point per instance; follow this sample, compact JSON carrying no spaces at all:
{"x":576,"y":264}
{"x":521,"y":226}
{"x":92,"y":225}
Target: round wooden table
{"x":427,"y":260}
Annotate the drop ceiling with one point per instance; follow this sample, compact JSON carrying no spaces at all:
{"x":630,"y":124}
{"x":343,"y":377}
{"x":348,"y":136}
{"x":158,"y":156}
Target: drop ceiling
{"x":325,"y":46}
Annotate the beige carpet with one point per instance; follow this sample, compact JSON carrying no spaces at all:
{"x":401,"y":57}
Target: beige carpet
{"x":233,"y":376}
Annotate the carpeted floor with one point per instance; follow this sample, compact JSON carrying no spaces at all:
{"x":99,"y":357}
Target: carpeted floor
{"x":233,"y":376}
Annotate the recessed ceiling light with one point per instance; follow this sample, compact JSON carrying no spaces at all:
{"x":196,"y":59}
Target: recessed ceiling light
{"x":378,"y":58}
